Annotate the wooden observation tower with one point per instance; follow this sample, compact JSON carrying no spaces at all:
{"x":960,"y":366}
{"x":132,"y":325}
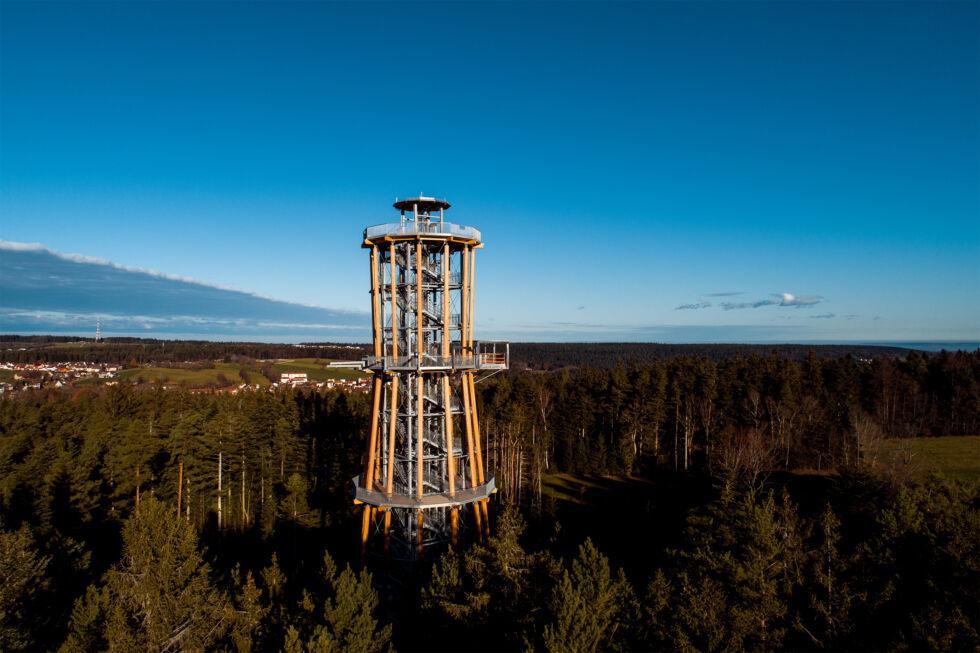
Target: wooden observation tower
{"x":423,"y":482}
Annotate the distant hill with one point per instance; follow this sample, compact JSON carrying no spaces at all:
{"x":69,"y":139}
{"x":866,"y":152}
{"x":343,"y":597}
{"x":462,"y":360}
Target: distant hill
{"x":552,"y":355}
{"x":42,"y":291}
{"x":524,"y":355}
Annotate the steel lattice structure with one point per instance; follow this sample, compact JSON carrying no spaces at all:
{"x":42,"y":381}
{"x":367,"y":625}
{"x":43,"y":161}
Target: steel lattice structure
{"x":424,"y":464}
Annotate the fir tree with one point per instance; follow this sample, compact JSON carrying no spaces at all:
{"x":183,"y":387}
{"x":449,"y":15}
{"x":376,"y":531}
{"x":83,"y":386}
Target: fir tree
{"x":22,"y":585}
{"x":249,"y":615}
{"x":585,"y":604}
{"x":345,"y":621}
{"x":159,"y":597}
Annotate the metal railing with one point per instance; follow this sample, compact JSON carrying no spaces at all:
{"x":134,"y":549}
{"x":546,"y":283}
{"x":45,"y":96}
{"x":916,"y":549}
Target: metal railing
{"x":493,"y":359}
{"x":485,"y":355}
{"x":455,"y":361}
{"x":421,"y":227}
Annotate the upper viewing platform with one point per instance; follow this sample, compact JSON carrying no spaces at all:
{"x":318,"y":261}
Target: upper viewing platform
{"x":421,"y":216}
{"x":421,"y":228}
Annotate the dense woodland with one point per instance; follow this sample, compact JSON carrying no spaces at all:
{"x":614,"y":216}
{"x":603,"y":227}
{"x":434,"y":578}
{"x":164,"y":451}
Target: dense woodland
{"x":143,"y":351}
{"x":524,"y":355}
{"x":558,"y":355}
{"x":734,"y":507}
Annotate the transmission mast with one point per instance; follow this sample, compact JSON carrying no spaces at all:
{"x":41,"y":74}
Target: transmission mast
{"x":423,"y":482}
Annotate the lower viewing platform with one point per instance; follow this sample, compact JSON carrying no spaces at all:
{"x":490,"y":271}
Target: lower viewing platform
{"x":460,"y":498}
{"x":456,"y":362}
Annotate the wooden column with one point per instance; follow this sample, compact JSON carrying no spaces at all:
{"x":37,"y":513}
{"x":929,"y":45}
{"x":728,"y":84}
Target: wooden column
{"x":365,"y":531}
{"x":375,"y":301}
{"x":419,"y":347}
{"x":393,"y":415}
{"x":470,"y":453}
{"x":368,"y":479}
{"x":464,"y":298}
{"x":180,"y":485}
{"x":471,"y":389}
{"x":454,"y":525}
{"x":446,"y":394}
{"x":392,"y":426}
{"x":451,"y":459}
{"x":479,"y":453}
{"x":387,"y":531}
{"x":420,"y":380}
{"x":445,"y":301}
{"x":419,"y":450}
{"x":472,"y":293}
{"x":394,"y":303}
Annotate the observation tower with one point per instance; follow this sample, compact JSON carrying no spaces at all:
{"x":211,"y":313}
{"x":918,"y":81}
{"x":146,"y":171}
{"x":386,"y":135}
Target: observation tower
{"x":423,"y":482}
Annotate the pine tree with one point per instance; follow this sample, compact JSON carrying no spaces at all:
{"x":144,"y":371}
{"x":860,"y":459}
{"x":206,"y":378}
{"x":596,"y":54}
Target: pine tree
{"x":736,"y":575}
{"x":345,"y":621}
{"x":159,"y":597}
{"x":23,"y":582}
{"x":495,"y":593}
{"x":249,"y":615}
{"x":87,"y":631}
{"x":350,"y":614}
{"x":585,"y":604}
{"x":826,"y":620}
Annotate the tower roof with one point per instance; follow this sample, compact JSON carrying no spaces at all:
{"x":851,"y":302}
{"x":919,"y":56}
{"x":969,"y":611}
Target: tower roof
{"x":424,"y":204}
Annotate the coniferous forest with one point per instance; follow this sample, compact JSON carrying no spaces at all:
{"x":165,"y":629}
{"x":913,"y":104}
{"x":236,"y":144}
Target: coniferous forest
{"x":722,"y":503}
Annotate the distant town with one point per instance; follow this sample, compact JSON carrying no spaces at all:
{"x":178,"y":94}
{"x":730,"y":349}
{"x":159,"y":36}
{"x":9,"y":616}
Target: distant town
{"x":213,"y":377}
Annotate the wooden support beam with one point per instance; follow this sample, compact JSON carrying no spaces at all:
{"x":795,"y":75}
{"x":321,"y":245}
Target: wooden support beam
{"x":392,"y":426}
{"x":394,"y":304}
{"x":468,"y":425}
{"x":445,"y":300}
{"x":454,"y":525}
{"x":479,"y":453}
{"x":470,"y":454}
{"x":420,"y":380}
{"x":419,"y":436}
{"x":451,"y":458}
{"x":387,"y":532}
{"x":368,"y":479}
{"x":419,"y":345}
{"x":180,"y":485}
{"x":464,"y":298}
{"x":375,"y":302}
{"x":365,"y":531}
{"x":472,"y":300}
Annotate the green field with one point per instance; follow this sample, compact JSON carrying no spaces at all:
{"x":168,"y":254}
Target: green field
{"x":6,"y":376}
{"x":316,"y":370}
{"x":956,"y":457}
{"x":192,"y":377}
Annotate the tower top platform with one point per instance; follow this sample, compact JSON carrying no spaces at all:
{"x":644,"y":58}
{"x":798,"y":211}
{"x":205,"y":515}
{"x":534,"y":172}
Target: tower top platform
{"x":429,"y":225}
{"x":421,"y":204}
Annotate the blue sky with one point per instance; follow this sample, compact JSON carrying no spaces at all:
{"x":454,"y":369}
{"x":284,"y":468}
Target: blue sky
{"x":622,"y":160}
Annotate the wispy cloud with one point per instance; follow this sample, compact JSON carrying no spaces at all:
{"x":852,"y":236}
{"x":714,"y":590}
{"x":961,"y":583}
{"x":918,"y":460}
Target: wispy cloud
{"x":13,"y":246}
{"x":724,"y":294}
{"x":823,"y":316}
{"x":781,"y":299}
{"x":695,"y":306}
